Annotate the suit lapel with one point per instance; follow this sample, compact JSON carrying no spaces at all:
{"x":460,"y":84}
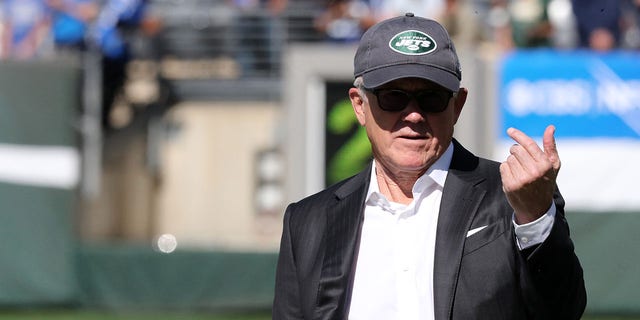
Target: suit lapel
{"x":460,"y":201}
{"x":344,"y":221}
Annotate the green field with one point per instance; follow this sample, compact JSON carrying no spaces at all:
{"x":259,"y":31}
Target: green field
{"x":94,"y":315}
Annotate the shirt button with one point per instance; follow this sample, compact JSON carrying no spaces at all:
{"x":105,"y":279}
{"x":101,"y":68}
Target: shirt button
{"x":524,"y":239}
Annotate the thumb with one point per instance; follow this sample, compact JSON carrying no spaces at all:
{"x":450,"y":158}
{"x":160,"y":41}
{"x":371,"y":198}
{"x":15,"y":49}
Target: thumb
{"x":549,"y":145}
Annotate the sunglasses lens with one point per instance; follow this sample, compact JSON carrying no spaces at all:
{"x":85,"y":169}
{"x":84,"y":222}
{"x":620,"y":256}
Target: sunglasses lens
{"x":393,"y":100}
{"x":433,"y":101}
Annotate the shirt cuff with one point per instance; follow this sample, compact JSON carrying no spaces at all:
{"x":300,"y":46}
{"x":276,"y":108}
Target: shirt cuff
{"x":535,"y":232}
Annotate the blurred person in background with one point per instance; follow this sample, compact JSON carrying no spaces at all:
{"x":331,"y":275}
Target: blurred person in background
{"x":25,"y":29}
{"x":520,"y":24}
{"x":631,"y":24}
{"x":445,"y":11}
{"x":530,"y":25}
{"x":344,"y":20}
{"x":70,"y":22}
{"x":114,"y":24}
{"x":498,"y":22}
{"x":428,"y":230}
{"x":433,"y":9}
{"x":598,"y":23}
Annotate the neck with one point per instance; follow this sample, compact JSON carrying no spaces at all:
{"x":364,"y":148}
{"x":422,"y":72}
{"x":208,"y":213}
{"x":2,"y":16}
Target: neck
{"x":398,"y":186}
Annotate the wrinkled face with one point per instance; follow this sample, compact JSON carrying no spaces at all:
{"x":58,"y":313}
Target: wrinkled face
{"x":410,"y":140}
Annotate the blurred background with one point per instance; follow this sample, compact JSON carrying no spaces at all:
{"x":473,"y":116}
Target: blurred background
{"x":148,"y":148}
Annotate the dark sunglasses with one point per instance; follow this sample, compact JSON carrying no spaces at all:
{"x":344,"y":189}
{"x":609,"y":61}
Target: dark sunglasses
{"x":430,"y":101}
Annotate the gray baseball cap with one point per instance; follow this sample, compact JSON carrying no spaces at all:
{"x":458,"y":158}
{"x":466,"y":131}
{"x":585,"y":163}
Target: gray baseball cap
{"x":407,"y":46}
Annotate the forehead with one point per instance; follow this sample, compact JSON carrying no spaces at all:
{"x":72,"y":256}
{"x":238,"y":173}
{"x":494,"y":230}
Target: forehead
{"x":411,"y":84}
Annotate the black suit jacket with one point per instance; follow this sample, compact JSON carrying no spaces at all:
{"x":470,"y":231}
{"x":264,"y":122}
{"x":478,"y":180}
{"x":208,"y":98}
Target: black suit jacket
{"x":483,"y":276}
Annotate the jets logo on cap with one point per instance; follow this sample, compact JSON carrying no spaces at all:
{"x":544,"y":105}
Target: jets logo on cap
{"x":412,"y":42}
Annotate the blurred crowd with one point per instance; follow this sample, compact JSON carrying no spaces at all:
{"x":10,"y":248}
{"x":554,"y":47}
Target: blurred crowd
{"x":255,"y":31}
{"x":252,"y":33}
{"x":595,"y":24}
{"x":41,"y":28}
{"x":37,"y":28}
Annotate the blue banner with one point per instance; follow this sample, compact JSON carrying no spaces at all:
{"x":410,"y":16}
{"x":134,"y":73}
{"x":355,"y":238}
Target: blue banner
{"x":585,"y":94}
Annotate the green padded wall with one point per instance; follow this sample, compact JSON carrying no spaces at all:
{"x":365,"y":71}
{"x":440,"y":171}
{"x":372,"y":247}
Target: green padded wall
{"x":39,"y":104}
{"x":608,"y":245}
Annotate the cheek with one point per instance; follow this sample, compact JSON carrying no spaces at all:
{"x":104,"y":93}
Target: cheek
{"x":376,"y":135}
{"x":382,"y":121}
{"x":443,"y":126}
{"x":381,"y":141}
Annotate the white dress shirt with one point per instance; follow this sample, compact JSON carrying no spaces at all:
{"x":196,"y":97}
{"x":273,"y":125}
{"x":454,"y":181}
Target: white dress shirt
{"x":394,"y":268}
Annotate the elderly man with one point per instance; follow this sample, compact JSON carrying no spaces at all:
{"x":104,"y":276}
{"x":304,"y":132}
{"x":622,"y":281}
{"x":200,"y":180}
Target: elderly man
{"x":428,"y":230}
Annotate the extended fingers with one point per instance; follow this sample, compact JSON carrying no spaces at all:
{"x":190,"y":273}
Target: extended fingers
{"x":527,"y":162}
{"x":533,"y":164}
{"x":529,"y":145}
{"x":549,"y":145}
{"x":511,"y":172}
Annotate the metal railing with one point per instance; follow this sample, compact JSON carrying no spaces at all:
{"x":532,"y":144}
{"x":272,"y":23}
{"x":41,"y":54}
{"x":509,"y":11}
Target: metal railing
{"x":209,"y":50}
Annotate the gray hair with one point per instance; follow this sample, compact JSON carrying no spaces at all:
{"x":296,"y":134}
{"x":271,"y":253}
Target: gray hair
{"x":359,"y":84}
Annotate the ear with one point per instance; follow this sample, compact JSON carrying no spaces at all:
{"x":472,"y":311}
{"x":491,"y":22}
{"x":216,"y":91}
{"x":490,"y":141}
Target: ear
{"x":357,"y":102}
{"x":458,"y":103}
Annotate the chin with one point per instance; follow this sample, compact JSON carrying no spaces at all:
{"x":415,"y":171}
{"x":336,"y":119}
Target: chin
{"x":413,"y":164}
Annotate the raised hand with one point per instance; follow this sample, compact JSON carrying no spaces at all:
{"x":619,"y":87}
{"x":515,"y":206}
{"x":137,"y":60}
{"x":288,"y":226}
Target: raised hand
{"x":529,"y":174}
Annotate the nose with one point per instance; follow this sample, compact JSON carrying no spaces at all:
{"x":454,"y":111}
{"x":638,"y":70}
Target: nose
{"x":413,"y":112}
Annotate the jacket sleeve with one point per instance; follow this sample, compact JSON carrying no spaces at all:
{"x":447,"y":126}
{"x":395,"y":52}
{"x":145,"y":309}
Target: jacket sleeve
{"x":286,"y":303}
{"x":557,"y":282}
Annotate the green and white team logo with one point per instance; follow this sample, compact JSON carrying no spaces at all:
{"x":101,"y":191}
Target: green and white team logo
{"x":412,"y":42}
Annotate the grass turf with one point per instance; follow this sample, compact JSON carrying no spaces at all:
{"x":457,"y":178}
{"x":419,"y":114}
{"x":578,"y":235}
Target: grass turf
{"x":98,"y":315}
